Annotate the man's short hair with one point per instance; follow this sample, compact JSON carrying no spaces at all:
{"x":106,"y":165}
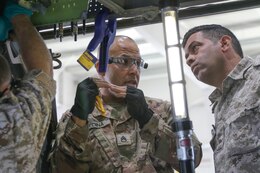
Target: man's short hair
{"x":5,"y":71}
{"x":214,"y":32}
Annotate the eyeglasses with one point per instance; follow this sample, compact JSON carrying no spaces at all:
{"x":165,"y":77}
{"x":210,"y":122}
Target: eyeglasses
{"x":127,"y":62}
{"x":3,"y":92}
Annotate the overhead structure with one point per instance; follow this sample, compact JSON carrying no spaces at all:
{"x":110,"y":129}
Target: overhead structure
{"x":77,"y":17}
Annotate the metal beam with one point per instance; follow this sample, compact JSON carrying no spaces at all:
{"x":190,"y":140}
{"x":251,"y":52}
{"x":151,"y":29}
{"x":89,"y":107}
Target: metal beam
{"x":188,"y":9}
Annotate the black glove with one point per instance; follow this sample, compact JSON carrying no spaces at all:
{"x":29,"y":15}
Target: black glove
{"x":137,"y":106}
{"x":85,"y":99}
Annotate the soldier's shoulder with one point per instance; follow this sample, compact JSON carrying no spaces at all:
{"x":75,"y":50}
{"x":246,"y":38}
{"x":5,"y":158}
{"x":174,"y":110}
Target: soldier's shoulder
{"x":155,"y":103}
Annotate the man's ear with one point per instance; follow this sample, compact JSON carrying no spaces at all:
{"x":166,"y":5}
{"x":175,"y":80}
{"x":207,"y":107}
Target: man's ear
{"x":225,"y":42}
{"x":97,"y":65}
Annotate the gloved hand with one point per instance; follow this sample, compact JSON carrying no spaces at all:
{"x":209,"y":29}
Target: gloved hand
{"x":85,"y":99}
{"x":137,"y":106}
{"x":12,"y":9}
{"x":5,"y":26}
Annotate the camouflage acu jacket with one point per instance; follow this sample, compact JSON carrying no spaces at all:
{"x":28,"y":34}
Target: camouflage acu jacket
{"x":25,"y":114}
{"x":114,"y":143}
{"x":236,"y":141}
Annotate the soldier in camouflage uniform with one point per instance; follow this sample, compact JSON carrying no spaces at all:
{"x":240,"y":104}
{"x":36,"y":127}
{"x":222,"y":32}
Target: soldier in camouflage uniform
{"x":216,"y":58}
{"x":25,"y":110}
{"x":131,"y":136}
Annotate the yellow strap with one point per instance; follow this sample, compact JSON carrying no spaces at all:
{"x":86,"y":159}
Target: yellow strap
{"x":99,"y":106}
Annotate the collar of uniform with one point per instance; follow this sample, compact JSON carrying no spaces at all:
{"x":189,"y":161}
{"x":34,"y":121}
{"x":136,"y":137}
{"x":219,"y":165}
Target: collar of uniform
{"x":214,"y":95}
{"x":256,"y":61}
{"x":239,"y":71}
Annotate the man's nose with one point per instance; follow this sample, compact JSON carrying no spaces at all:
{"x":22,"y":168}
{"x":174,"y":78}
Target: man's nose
{"x":190,"y":60}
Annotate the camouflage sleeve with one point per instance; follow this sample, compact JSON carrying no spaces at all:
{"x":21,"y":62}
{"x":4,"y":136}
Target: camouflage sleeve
{"x":71,"y":152}
{"x":36,"y":93}
{"x":24,"y":119}
{"x":163,"y":139}
{"x":44,"y":81}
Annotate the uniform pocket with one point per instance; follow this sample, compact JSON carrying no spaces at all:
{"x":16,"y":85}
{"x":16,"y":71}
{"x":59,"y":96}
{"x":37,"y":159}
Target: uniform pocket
{"x":243,"y":134}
